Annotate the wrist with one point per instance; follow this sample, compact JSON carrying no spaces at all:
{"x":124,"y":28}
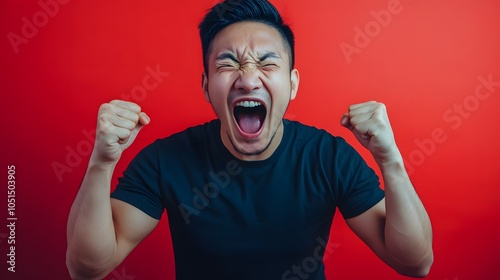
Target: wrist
{"x":393,"y":168}
{"x":97,"y":163}
{"x":392,"y":159}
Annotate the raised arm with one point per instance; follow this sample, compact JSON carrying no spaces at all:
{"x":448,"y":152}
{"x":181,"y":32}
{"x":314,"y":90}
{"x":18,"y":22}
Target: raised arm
{"x":101,"y":231}
{"x":398,"y":228}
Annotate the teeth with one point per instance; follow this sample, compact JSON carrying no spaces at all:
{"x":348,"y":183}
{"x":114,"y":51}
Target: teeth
{"x":248,"y":104}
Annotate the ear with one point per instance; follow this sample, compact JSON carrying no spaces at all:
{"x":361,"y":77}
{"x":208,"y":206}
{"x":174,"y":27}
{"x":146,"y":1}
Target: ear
{"x":204,"y":86}
{"x":294,"y":83}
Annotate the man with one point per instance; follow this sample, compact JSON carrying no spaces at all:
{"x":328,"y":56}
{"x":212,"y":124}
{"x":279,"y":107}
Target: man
{"x":249,"y":195}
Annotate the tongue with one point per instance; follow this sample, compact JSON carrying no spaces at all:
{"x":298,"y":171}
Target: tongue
{"x":249,"y":123}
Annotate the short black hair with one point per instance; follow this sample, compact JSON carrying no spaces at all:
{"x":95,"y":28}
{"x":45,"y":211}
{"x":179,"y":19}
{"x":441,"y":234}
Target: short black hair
{"x":228,"y":12}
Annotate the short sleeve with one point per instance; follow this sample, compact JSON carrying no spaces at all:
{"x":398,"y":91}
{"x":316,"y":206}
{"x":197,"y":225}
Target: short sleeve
{"x":359,"y":186}
{"x":140,"y":183}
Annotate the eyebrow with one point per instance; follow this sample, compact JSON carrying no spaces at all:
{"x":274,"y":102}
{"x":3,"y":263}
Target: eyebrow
{"x":269,"y":55}
{"x":228,"y":55}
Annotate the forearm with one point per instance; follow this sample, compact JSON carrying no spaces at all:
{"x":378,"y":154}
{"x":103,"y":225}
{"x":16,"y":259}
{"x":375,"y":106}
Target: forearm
{"x":90,"y":231}
{"x":408,"y":231}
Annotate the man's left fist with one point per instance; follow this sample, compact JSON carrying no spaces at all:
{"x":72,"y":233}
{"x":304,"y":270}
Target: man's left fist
{"x":370,"y":124}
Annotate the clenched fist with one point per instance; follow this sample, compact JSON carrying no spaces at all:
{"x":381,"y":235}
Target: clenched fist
{"x":118,"y":124}
{"x":370,"y":124}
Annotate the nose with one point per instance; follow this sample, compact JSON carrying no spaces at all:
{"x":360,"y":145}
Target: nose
{"x":248,"y":79}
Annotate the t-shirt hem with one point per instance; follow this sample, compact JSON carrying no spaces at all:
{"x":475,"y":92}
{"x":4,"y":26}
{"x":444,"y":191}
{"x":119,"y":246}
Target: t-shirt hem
{"x":132,"y":200}
{"x":365,"y":206}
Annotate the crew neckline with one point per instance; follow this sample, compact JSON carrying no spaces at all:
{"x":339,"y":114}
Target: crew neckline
{"x":257,"y":163}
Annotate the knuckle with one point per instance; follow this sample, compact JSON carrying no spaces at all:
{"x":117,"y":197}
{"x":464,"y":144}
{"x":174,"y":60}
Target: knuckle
{"x":131,"y":106}
{"x":134,"y":118}
{"x":356,"y":119}
{"x":136,"y":108}
{"x":130,"y":124}
{"x":105,"y":126}
{"x":123,"y":132}
{"x":105,"y":107}
{"x":104,"y":118}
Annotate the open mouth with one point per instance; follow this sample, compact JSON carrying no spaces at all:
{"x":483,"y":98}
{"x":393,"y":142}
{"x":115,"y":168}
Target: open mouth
{"x":249,"y":116}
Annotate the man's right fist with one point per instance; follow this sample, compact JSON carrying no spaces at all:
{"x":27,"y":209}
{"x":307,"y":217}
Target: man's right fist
{"x":118,"y":123}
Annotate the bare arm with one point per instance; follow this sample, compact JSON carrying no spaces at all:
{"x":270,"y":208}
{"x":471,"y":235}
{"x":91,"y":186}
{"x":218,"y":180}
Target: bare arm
{"x":101,"y":231}
{"x":398,"y":228}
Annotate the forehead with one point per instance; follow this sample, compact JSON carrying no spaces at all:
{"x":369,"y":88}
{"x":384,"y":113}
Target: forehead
{"x":248,"y":38}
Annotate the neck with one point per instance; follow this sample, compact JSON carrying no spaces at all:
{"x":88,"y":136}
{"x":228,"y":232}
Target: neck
{"x":265,"y":154}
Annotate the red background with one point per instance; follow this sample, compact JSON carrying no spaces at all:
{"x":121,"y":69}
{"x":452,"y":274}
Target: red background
{"x":424,"y":61}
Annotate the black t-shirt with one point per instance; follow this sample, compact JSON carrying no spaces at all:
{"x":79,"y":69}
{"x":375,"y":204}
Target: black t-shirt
{"x":233,"y":219}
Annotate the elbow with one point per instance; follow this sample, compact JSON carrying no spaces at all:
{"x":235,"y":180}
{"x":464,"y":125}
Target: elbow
{"x":79,"y":270}
{"x":418,"y":271}
{"x":74,"y":269}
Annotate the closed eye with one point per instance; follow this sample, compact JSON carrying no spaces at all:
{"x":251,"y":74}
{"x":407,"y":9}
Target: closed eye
{"x":226,"y":60}
{"x":269,"y":66}
{"x":269,"y":61}
{"x":226,"y":65}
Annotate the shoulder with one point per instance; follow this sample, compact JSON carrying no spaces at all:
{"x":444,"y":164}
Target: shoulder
{"x":191,"y":140}
{"x":320,"y":144}
{"x":192,"y":137}
{"x":310,"y":134}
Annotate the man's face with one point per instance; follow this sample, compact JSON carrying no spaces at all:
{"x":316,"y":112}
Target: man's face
{"x":250,"y":86}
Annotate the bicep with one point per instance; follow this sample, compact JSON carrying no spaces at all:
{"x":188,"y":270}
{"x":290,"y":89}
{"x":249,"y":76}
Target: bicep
{"x":131,"y":227}
{"x":369,"y":227}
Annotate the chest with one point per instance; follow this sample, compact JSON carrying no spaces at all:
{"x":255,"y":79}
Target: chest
{"x":235,"y":209}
